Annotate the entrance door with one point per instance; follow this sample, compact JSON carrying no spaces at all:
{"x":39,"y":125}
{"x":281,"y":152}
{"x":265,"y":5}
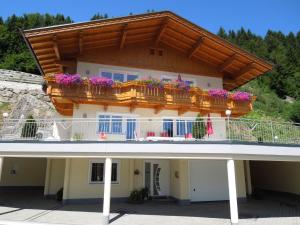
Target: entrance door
{"x":157,"y":177}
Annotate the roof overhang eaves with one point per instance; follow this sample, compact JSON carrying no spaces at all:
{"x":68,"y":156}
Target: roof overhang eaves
{"x":263,"y":66}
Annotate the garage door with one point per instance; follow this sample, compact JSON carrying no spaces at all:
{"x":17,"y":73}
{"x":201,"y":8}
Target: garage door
{"x":208,"y":180}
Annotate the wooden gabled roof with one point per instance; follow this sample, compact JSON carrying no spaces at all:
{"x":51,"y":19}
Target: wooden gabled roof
{"x":52,"y":44}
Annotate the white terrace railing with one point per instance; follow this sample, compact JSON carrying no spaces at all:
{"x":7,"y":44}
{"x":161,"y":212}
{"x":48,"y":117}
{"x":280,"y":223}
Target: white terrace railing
{"x":179,"y":129}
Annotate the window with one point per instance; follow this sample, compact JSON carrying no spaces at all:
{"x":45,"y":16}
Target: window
{"x":116,"y":124}
{"x":132,"y":77}
{"x":168,"y":127}
{"x":184,"y":127}
{"x":106,"y":75}
{"x":110,"y":124}
{"x":119,"y":76}
{"x":104,"y":124}
{"x":97,"y":172}
{"x":151,"y":51}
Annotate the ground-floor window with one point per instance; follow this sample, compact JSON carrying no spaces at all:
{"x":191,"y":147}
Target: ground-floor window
{"x":97,"y":171}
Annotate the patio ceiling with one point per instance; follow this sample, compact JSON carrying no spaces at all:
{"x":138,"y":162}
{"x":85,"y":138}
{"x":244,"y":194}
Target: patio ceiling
{"x":58,"y":46}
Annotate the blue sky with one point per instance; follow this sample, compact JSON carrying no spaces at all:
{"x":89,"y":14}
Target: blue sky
{"x":257,"y":15}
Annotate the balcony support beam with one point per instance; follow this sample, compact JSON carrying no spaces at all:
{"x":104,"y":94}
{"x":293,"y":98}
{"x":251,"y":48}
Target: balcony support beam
{"x":182,"y":110}
{"x":132,"y":107}
{"x":105,"y":107}
{"x":157,"y":109}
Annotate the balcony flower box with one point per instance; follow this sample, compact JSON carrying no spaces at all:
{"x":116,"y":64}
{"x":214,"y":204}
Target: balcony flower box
{"x":241,"y":96}
{"x":68,"y":80}
{"x":218,"y":93}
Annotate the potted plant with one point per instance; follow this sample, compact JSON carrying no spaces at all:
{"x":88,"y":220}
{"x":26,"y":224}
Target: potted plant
{"x":199,"y":128}
{"x":139,"y":196}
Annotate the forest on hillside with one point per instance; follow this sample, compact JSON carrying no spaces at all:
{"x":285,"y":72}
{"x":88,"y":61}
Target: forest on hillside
{"x":278,"y":92}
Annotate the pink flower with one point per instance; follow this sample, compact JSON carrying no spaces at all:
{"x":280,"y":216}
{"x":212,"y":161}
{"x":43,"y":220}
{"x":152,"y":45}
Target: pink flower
{"x":241,"y":96}
{"x":68,"y":79}
{"x":101,"y":81}
{"x":219,"y":93}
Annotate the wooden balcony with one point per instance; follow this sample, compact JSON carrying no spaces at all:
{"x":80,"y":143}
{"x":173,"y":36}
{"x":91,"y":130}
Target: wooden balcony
{"x":136,"y":95}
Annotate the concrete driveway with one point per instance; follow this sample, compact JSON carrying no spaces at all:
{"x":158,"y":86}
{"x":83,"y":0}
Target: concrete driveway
{"x":29,"y":206}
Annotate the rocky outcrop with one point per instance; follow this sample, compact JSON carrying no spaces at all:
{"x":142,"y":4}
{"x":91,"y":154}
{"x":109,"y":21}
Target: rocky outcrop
{"x":24,"y":92}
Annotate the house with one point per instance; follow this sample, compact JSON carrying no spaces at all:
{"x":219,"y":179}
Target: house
{"x":127,"y":115}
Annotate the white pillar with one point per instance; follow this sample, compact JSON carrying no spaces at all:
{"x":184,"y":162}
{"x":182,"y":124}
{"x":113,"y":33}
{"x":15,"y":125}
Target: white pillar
{"x":234,"y":215}
{"x":1,"y":166}
{"x":47,"y":177}
{"x":131,"y":174}
{"x":107,"y":188}
{"x":248,"y":177}
{"x":67,"y":180}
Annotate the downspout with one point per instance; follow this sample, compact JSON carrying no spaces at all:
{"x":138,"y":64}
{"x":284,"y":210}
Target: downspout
{"x":32,"y":52}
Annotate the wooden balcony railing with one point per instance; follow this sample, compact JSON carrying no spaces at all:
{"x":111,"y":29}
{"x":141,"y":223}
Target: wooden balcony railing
{"x":134,"y":94}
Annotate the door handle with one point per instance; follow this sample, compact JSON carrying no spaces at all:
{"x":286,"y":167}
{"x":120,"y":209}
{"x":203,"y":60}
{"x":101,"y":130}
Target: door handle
{"x":194,"y":189}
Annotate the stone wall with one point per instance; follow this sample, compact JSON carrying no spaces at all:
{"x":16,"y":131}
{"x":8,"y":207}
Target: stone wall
{"x":24,"y":92}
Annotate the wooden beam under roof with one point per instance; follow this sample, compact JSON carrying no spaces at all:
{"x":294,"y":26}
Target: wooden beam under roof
{"x":227,"y":62}
{"x":51,"y":70}
{"x":123,"y":36}
{"x":66,"y":63}
{"x":244,"y":70}
{"x":80,"y":42}
{"x":56,"y":49}
{"x":196,"y":47}
{"x":162,"y":29}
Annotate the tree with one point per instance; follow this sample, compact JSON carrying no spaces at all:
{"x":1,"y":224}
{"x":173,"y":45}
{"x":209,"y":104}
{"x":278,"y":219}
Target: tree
{"x":199,"y":128}
{"x":294,"y":113}
{"x":14,"y":53}
{"x":222,"y":33}
{"x":30,"y":128}
{"x":99,"y":16}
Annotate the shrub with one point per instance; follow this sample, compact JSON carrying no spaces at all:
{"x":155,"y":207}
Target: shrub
{"x":59,"y":194}
{"x":199,"y":128}
{"x":138,"y":196}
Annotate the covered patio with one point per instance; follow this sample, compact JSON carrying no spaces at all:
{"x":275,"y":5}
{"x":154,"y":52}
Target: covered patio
{"x":31,"y":207}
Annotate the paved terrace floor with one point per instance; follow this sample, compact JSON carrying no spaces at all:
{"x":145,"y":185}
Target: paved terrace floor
{"x":29,"y":206}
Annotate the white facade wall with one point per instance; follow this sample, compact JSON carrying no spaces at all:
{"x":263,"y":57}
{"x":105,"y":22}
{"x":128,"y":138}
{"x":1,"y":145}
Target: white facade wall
{"x":88,"y":130}
{"x":203,"y":82}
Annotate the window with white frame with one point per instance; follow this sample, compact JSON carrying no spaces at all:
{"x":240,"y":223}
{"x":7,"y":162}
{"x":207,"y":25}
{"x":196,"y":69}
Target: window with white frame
{"x":121,"y":76}
{"x":184,"y":127}
{"x":110,"y":124}
{"x":97,"y":171}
